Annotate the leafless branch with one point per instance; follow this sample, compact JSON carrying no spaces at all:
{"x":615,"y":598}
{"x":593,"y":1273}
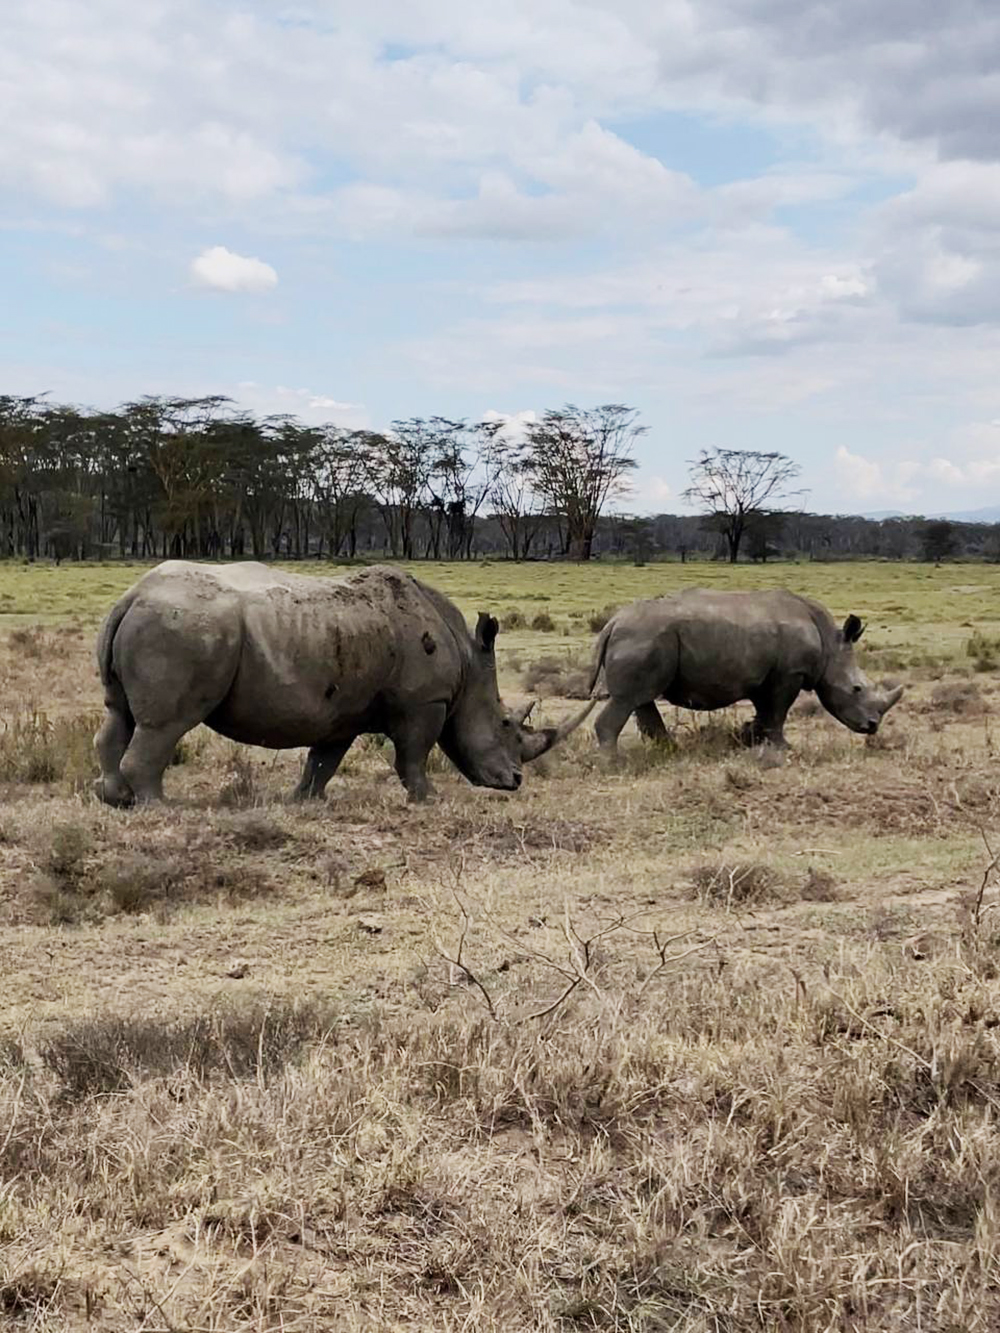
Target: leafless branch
{"x":990,"y":870}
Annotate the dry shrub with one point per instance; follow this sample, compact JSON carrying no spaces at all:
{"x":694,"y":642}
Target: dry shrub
{"x":37,"y":748}
{"x":543,"y":623}
{"x":820,"y":887}
{"x":255,"y":831}
{"x":598,"y":619}
{"x":189,"y":748}
{"x":11,"y":1054}
{"x":136,"y":883}
{"x":741,"y":884}
{"x":97,"y":1056}
{"x":513,"y":619}
{"x":58,"y":891}
{"x":28,"y":641}
{"x":563,"y":677}
{"x":962,"y":697}
{"x":984,"y":650}
{"x":240,"y":788}
{"x":26,"y":1295}
{"x":65,"y":857}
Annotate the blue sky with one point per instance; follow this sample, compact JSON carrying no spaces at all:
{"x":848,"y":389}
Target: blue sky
{"x":764,"y":223}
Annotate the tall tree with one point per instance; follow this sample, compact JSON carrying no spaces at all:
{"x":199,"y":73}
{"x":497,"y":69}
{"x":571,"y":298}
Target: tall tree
{"x":578,"y":459}
{"x":938,"y":540}
{"x":515,"y":506}
{"x":737,"y":487}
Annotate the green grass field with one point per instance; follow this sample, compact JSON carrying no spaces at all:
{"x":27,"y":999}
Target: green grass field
{"x":707,"y":1043}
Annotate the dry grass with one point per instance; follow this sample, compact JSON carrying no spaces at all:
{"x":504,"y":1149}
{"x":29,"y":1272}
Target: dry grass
{"x":699,"y":1044}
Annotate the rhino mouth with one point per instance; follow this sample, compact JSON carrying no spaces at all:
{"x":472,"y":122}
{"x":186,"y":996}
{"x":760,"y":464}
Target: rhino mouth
{"x":511,"y":782}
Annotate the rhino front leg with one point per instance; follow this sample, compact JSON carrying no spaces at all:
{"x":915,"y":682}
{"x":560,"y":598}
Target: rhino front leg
{"x":768,"y":727}
{"x":414,"y":736}
{"x":321,"y":764}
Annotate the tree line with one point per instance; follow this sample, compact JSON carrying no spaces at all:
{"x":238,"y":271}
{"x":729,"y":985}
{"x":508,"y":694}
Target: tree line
{"x":197,"y":477}
{"x":167,"y":476}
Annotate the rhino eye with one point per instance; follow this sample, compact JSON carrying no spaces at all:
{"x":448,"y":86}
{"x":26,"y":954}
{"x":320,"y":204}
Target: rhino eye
{"x":505,"y":722}
{"x":857,"y":689}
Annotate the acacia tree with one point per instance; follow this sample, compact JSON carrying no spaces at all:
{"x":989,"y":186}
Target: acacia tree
{"x":515,"y":506}
{"x":938,"y":540}
{"x":576,"y":460}
{"x":737,"y":488}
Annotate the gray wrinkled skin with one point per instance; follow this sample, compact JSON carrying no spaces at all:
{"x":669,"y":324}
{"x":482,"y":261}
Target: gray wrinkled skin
{"x":283,"y":660}
{"x":705,"y":650}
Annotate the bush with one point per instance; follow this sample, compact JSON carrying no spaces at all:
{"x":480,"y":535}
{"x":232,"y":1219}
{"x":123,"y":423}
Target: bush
{"x":513,"y":620}
{"x":543,"y":622}
{"x":241,"y":788}
{"x":962,"y":697}
{"x":985,"y":651}
{"x":37,"y":748}
{"x":137,"y":883}
{"x":725,"y":885}
{"x":598,"y":619}
{"x":69,"y":847}
{"x":558,"y":676}
{"x":255,"y":831}
{"x":98,"y":1056}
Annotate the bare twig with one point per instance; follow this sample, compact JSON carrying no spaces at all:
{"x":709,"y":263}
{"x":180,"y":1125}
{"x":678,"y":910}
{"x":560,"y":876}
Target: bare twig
{"x":990,"y":869}
{"x":459,"y":962}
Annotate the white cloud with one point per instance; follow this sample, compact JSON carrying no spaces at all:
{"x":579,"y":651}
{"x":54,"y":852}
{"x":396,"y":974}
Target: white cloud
{"x":656,"y":492}
{"x":228,"y":272}
{"x":514,"y":424}
{"x":310,"y":407}
{"x":861,"y":477}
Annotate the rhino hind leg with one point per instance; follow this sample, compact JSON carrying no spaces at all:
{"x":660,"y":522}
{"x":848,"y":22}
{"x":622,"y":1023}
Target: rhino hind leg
{"x":321,"y":764}
{"x":111,"y":742}
{"x":148,"y":755}
{"x":610,"y":721}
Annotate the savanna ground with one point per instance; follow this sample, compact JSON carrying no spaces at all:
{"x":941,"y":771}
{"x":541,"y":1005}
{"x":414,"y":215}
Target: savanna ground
{"x":709,"y":1043}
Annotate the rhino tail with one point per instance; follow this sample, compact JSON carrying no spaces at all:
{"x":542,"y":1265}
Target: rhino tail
{"x":114,"y":691}
{"x":599,"y":652}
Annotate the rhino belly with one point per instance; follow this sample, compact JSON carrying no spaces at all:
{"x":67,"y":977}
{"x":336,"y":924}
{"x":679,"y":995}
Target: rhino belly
{"x":703,"y":695}
{"x":292,"y":723}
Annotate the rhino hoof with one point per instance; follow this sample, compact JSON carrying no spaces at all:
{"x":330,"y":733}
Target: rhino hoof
{"x":116,"y":793}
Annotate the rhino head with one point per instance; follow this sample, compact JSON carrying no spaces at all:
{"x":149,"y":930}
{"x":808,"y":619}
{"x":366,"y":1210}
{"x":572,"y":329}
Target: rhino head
{"x":487,"y":742}
{"x":845,"y":691}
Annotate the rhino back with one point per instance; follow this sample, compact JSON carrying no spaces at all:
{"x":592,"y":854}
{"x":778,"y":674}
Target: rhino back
{"x":705,"y":649}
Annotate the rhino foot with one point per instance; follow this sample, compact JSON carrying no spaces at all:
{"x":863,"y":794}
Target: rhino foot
{"x":114,"y":792}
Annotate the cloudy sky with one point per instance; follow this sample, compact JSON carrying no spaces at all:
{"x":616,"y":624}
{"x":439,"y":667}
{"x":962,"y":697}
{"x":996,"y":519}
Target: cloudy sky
{"x":764,"y":223}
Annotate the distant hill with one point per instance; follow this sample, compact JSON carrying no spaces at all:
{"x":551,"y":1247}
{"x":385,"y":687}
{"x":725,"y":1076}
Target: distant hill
{"x":991,"y":514}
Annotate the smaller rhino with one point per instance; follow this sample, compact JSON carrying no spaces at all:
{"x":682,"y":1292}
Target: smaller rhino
{"x":705,"y":650}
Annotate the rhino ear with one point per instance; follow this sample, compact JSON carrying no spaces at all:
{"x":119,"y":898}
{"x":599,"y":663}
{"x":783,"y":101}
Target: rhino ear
{"x":853,"y":629}
{"x":486,"y":631}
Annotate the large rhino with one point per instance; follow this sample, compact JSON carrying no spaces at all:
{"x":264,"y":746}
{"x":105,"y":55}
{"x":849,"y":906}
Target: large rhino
{"x":282,"y":660}
{"x":703,"y":649}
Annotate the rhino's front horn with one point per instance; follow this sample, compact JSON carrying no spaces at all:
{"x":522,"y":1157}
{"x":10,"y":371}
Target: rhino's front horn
{"x":520,"y":715}
{"x":536,"y":743}
{"x":892,"y":698}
